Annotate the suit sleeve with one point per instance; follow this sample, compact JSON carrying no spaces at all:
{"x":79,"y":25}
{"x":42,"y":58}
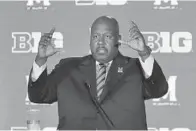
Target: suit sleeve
{"x":44,"y":89}
{"x":156,"y":85}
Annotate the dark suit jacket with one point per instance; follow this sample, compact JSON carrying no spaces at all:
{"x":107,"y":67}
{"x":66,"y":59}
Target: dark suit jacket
{"x":122,"y":99}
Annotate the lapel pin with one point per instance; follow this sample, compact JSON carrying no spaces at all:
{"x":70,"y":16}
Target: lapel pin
{"x":120,"y":70}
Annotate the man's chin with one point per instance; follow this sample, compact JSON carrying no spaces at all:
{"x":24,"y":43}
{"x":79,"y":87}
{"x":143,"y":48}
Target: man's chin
{"x":101,"y":57}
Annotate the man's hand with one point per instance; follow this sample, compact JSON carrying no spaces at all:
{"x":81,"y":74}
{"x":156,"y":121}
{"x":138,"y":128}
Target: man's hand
{"x":46,"y":48}
{"x":137,"y":42}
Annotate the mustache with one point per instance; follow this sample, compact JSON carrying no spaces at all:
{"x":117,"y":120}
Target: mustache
{"x":98,"y":48}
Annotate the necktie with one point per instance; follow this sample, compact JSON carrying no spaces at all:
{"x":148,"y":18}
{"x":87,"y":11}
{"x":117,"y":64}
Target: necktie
{"x":101,"y":75}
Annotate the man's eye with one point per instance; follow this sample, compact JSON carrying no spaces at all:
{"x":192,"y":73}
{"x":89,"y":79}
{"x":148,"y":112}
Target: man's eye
{"x":109,"y":37}
{"x":95,"y":37}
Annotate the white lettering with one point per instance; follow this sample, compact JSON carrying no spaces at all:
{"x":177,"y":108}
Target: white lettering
{"x":21,"y":42}
{"x":100,"y":2}
{"x":165,"y":42}
{"x":173,"y":2}
{"x":168,"y":129}
{"x":171,"y":94}
{"x":187,"y":41}
{"x":25,"y":42}
{"x":31,"y":2}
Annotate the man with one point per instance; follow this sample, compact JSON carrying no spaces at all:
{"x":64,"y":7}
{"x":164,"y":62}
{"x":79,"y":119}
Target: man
{"x":105,"y":90}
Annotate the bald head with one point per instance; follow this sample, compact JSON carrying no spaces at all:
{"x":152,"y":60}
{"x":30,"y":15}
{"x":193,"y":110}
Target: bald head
{"x":112,"y":22}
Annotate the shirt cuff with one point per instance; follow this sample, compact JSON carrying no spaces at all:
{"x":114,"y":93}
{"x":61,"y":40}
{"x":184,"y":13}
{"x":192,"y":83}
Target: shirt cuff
{"x":147,"y":66}
{"x":37,"y":71}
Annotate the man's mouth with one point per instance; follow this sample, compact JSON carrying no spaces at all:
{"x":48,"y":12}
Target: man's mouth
{"x":101,"y":50}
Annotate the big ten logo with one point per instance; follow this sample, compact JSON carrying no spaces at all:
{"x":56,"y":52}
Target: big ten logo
{"x":100,"y":2}
{"x":25,"y":42}
{"x":166,"y":4}
{"x":27,"y":101}
{"x":169,"y":99}
{"x":26,"y":129}
{"x":166,"y":42}
{"x":168,"y":129}
{"x":18,"y":128}
{"x":38,"y":4}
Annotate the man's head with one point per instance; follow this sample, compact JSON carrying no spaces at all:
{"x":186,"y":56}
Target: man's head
{"x":104,"y":39}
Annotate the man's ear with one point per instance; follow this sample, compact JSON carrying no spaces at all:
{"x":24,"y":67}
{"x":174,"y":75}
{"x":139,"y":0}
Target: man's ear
{"x":119,"y":38}
{"x":118,"y":43}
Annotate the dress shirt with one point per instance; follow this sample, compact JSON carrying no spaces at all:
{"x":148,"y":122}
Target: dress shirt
{"x":147,"y":68}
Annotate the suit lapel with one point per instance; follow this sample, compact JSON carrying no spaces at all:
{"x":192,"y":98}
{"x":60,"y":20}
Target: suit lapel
{"x":88,"y":70}
{"x":115,"y":74}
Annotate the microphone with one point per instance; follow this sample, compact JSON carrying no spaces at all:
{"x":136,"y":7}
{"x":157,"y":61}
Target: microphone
{"x":97,"y":105}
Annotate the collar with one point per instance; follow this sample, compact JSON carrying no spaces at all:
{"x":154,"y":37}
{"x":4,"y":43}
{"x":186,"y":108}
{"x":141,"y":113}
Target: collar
{"x":108,"y":64}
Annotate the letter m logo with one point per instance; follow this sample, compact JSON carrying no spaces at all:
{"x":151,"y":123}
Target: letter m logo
{"x":31,"y":2}
{"x":173,"y":2}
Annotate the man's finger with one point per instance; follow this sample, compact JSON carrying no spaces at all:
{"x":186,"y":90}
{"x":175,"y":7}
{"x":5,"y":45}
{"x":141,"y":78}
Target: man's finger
{"x":130,"y":44}
{"x":133,"y":31}
{"x":135,"y":36}
{"x":123,"y":42}
{"x":46,"y":35}
{"x":133,"y":23}
{"x":42,"y":44}
{"x":133,"y":27}
{"x":59,"y":50}
{"x":52,"y":31}
{"x":45,"y":39}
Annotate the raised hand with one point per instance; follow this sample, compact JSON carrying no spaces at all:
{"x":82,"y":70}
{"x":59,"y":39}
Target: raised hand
{"x":46,"y":48}
{"x":136,"y":41}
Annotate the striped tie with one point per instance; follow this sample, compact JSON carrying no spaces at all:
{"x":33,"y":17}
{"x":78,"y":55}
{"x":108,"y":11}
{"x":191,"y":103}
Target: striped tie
{"x":101,"y":75}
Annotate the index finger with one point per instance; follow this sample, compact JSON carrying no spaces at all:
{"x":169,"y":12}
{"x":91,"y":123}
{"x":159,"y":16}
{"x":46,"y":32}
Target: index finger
{"x":133,"y":24}
{"x":52,"y":31}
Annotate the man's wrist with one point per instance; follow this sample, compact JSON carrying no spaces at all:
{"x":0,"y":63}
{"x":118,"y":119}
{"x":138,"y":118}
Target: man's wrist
{"x":40,"y":61}
{"x":145,"y":54}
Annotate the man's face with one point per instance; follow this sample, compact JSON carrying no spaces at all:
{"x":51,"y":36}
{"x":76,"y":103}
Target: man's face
{"x":104,"y":40}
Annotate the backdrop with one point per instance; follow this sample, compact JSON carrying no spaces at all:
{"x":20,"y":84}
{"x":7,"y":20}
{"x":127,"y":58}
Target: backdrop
{"x":169,"y":27}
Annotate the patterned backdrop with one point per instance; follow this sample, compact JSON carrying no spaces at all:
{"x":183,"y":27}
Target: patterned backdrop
{"x":169,"y":27}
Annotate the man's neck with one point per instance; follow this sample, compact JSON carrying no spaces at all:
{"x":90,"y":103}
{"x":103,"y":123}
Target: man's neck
{"x":97,"y":62}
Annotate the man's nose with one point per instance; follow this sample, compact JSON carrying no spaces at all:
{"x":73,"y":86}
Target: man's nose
{"x":101,"y":41}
